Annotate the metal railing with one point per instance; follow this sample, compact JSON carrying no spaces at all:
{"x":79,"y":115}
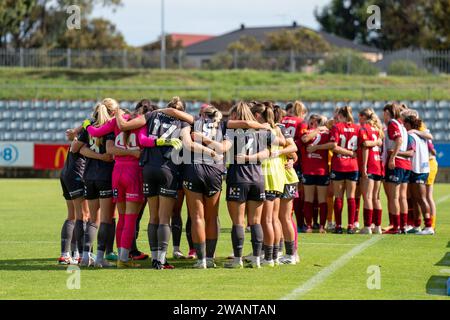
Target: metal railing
{"x":337,"y":62}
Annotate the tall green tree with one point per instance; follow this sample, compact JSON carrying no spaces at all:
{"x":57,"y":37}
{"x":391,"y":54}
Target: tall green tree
{"x":40,"y":23}
{"x":301,"y":40}
{"x":404,"y":23}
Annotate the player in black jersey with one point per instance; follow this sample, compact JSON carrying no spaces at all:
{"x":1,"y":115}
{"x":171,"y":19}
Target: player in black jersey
{"x":98,"y":188}
{"x":73,"y":191}
{"x":245,"y":184}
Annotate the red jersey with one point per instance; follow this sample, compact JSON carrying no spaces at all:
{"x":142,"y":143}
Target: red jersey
{"x":396,"y":129}
{"x":316,"y":163}
{"x":296,"y":127}
{"x":346,"y":136}
{"x":374,"y":162}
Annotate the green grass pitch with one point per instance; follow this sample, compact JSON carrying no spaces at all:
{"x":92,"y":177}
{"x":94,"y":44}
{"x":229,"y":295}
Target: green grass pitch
{"x":32,"y":211}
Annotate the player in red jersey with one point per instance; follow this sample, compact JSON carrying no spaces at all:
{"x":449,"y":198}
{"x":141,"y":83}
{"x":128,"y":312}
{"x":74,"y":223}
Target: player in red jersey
{"x":344,"y":166}
{"x":370,"y":168}
{"x":397,"y":167}
{"x":296,"y":126}
{"x":316,"y":176}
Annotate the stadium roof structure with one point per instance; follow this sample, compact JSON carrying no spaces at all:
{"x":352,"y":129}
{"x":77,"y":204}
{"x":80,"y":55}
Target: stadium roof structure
{"x":220,"y":43}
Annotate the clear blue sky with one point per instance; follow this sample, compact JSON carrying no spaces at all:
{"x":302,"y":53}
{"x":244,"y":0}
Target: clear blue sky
{"x":140,"y":20}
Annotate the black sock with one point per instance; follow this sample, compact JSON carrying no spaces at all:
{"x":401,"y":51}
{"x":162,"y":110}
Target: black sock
{"x":200,"y":248}
{"x":89,"y":236}
{"x":111,"y":229}
{"x":78,"y":233}
{"x":257,"y":239}
{"x":163,"y":237}
{"x":177,"y":229}
{"x":268,"y":252}
{"x":67,"y":235}
{"x":281,"y":245}
{"x":289,"y":245}
{"x":102,"y":236}
{"x":237,"y":238}
{"x":189,"y":233}
{"x":152,"y":232}
{"x":276,"y":249}
{"x":211,"y":245}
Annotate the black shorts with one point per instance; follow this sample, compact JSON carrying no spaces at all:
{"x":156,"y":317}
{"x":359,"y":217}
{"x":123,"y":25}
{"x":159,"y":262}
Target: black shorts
{"x":272,"y":195}
{"x":339,"y":176}
{"x":316,"y":180}
{"x":97,"y":189}
{"x":201,"y":178}
{"x":160,"y":182}
{"x":243,"y":192}
{"x":73,"y":188}
{"x":418,"y":178}
{"x":397,"y":176}
{"x":290,"y":191}
{"x":374,"y":177}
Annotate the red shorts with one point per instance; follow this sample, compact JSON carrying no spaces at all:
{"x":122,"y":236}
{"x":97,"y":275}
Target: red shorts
{"x":127,"y":182}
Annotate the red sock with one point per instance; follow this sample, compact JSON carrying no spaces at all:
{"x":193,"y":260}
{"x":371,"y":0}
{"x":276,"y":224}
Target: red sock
{"x":368,"y":213}
{"x":358,"y":205}
{"x":418,"y":222}
{"x":396,"y":220}
{"x":403,"y":220}
{"x":323,"y":207}
{"x":119,"y":229}
{"x":308,"y":213}
{"x":129,"y":230}
{"x":351,"y":204}
{"x":338,"y":204}
{"x":315,"y":212}
{"x":391,"y":219}
{"x":377,"y":214}
{"x":428,"y":223}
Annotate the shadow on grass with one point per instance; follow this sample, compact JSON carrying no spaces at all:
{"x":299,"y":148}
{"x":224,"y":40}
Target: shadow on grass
{"x":445,"y":261}
{"x":437,"y":285}
{"x":50,"y":264}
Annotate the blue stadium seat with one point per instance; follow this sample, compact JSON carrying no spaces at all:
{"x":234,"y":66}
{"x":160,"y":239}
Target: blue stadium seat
{"x":88,"y":104}
{"x":340,"y":104}
{"x":3,"y":125}
{"x":34,"y":136}
{"x":21,"y":136}
{"x":44,"y":115}
{"x":315,"y":106}
{"x":63,"y":104}
{"x":68,"y":115}
{"x":75,"y":105}
{"x":18,"y":115}
{"x":26,"y":104}
{"x":3,"y":104}
{"x":379,"y":105}
{"x":444,"y":104}
{"x":52,"y":125}
{"x":125,"y":104}
{"x":51,"y":104}
{"x":439,"y":136}
{"x":27,"y":125}
{"x":39,"y":126}
{"x":328,"y":105}
{"x":7,"y":136}
{"x":6,"y":115}
{"x":443,"y":114}
{"x":55,"y":115}
{"x":417,"y":105}
{"x":366,"y":104}
{"x":427,"y":115}
{"x":82,"y":115}
{"x":430,"y":104}
{"x":46,"y":136}
{"x":13,"y":104}
{"x":60,"y":136}
{"x":38,"y":104}
{"x":31,"y":115}
{"x":355,"y":105}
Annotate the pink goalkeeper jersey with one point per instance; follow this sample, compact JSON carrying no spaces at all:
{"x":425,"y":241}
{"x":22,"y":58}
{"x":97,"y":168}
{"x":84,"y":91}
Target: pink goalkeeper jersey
{"x":137,"y":138}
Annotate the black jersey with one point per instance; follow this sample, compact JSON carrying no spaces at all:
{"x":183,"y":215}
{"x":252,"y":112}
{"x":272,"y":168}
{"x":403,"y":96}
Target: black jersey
{"x":247,"y":142}
{"x":207,"y":128}
{"x":97,"y":170}
{"x":74,"y":166}
{"x":163,"y":126}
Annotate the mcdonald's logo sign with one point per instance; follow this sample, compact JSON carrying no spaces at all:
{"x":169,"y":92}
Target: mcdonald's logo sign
{"x":50,"y":156}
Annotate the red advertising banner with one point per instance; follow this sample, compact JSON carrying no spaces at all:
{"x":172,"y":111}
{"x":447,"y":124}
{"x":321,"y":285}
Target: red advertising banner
{"x":50,"y":156}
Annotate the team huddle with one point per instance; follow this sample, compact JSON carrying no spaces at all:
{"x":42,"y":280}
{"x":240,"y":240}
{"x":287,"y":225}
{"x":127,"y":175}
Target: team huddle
{"x":276,"y":163}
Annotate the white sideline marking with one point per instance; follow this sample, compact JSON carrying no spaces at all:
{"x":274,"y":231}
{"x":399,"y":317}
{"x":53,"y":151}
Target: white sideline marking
{"x":443,"y":199}
{"x":325,"y":273}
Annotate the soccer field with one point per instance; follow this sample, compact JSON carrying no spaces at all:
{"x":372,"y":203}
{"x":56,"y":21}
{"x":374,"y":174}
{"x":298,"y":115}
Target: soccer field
{"x":331,"y":267}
